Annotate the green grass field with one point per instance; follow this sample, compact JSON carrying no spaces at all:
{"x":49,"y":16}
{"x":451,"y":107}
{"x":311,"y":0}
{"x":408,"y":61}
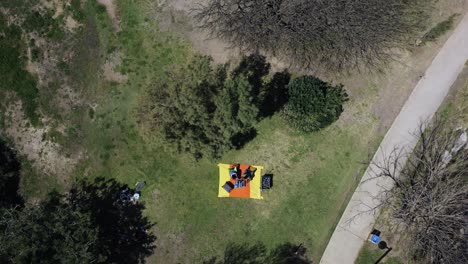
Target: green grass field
{"x":314,"y":174}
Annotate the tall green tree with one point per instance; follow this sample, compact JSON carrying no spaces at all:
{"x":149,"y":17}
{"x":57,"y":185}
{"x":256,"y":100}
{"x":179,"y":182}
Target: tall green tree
{"x":247,"y":96}
{"x":275,"y":93}
{"x":51,"y":232}
{"x":89,"y":224}
{"x":255,"y":68}
{"x":205,"y":111}
{"x":184,"y":106}
{"x":236,"y":111}
{"x":123,"y":234}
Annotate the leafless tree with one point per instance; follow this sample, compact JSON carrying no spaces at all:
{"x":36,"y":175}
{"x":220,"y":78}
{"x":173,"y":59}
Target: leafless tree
{"x":429,"y":196}
{"x":333,"y":34}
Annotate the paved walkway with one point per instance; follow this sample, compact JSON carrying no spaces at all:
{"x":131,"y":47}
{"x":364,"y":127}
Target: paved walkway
{"x":349,"y":237}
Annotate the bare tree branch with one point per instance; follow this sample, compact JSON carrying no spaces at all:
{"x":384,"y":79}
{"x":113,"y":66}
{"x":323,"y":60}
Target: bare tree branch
{"x":430,"y":193}
{"x":334,"y":34}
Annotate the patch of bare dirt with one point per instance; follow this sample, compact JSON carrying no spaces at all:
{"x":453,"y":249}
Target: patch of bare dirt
{"x":46,"y":72}
{"x":46,"y":155}
{"x":109,"y":69}
{"x":175,"y":15}
{"x":112,"y":11}
{"x":45,"y":68}
{"x":398,"y":82}
{"x":56,"y":5}
{"x":71,"y":24}
{"x":41,"y":67}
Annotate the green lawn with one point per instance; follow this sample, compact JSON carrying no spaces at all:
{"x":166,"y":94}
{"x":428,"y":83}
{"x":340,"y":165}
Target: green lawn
{"x":314,"y":174}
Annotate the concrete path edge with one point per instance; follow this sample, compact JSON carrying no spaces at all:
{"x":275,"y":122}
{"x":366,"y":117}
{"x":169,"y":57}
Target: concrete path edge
{"x":354,"y":226}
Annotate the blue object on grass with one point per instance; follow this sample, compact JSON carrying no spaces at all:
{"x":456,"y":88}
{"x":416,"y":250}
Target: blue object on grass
{"x":374,"y":239}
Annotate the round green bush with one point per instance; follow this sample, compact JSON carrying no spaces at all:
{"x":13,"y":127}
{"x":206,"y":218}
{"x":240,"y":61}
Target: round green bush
{"x":313,"y":104}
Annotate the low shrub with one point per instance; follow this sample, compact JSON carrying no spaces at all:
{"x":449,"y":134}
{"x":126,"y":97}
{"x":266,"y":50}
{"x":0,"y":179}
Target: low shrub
{"x":313,"y":104}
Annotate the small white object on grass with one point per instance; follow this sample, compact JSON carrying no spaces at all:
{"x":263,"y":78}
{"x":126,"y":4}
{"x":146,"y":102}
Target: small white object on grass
{"x":135,"y":198}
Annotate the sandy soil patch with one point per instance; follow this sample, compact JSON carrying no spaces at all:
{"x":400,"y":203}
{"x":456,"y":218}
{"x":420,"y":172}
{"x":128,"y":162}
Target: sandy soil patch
{"x":109,"y":71}
{"x":71,"y":24}
{"x":30,"y":142}
{"x":56,"y":5}
{"x":112,"y":11}
{"x":175,"y":15}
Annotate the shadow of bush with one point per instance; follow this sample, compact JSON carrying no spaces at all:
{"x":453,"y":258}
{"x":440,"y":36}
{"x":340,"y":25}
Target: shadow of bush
{"x":286,"y":253}
{"x":10,"y":169}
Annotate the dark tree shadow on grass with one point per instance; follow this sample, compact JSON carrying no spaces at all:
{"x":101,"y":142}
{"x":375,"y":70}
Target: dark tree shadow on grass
{"x":123,"y":235}
{"x":271,"y":95}
{"x":254,"y":67}
{"x":10,"y":169}
{"x":258,"y":254}
{"x":288,"y":254}
{"x":275,"y":94}
{"x":240,"y":139}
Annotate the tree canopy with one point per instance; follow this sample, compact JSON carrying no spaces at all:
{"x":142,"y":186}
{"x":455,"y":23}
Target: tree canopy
{"x":50,"y":232}
{"x":205,"y":110}
{"x":313,"y":104}
{"x":429,"y":198}
{"x":123,"y":234}
{"x":333,"y":34}
{"x":89,"y":224}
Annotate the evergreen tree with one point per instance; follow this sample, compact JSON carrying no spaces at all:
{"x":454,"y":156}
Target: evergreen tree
{"x":225,"y":117}
{"x":254,"y":67}
{"x":247,"y":97}
{"x":122,"y":230}
{"x":50,"y":232}
{"x":236,"y":112}
{"x":90,"y":224}
{"x":184,"y":105}
{"x":204,"y":111}
{"x":201,"y":109}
